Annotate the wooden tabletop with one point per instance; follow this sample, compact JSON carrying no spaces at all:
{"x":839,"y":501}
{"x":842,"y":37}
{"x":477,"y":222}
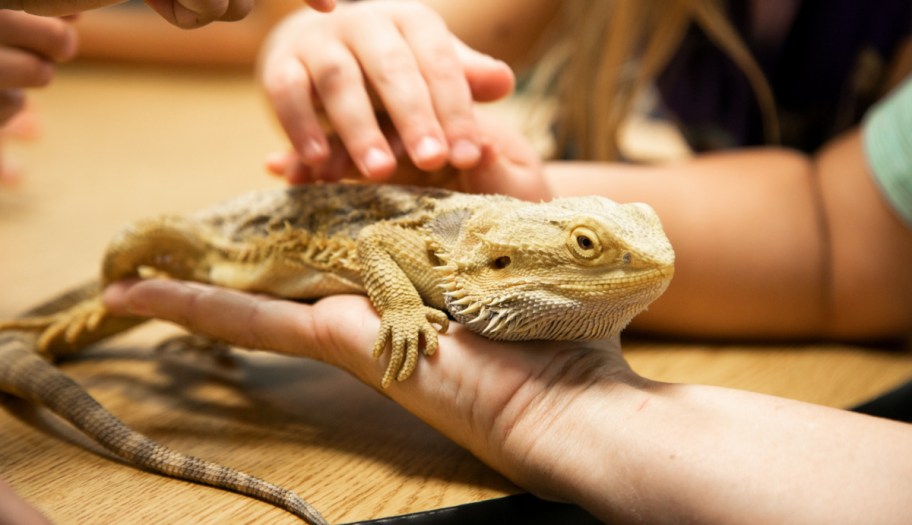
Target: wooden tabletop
{"x":121,"y":143}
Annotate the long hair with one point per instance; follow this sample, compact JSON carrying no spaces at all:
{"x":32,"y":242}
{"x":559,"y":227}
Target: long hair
{"x":609,"y":50}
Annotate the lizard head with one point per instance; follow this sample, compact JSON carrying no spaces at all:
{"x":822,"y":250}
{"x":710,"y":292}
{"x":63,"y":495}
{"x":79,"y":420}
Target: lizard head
{"x":572,"y":269}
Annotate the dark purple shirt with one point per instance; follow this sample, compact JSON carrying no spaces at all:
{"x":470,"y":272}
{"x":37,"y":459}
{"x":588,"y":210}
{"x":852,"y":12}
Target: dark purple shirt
{"x":824,"y":72}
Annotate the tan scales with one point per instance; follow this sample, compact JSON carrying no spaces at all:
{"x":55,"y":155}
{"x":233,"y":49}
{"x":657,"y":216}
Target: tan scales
{"x":570,"y":269}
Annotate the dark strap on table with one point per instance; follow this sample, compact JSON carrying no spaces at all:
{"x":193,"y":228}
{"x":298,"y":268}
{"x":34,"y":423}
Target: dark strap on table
{"x":529,"y":510}
{"x":895,"y":404}
{"x":520,"y":508}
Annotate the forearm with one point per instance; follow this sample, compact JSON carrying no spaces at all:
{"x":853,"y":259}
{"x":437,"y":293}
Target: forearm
{"x":673,"y":453}
{"x":506,"y":29}
{"x":771,"y":243}
{"x":746,"y":234}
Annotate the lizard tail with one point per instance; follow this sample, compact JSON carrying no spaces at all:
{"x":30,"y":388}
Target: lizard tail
{"x":27,"y":375}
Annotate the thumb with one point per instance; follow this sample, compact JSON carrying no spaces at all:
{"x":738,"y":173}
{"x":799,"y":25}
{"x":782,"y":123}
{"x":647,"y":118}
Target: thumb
{"x":497,"y":174}
{"x":339,"y":330}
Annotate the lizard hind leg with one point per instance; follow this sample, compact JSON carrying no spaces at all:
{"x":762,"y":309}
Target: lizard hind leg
{"x":69,"y":321}
{"x":173,"y":246}
{"x":61,"y":330}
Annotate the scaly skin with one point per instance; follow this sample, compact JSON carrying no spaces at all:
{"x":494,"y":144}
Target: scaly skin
{"x":571,"y":269}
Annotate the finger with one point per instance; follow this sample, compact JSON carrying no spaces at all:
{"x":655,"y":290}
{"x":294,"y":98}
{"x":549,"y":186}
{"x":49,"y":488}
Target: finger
{"x":189,"y":14}
{"x":241,"y":318}
{"x":237,"y":10}
{"x":11,"y":102}
{"x":498,"y":174}
{"x":340,"y":84}
{"x":278,"y":162}
{"x":443,"y":74}
{"x":49,"y":38}
{"x":16,"y":122}
{"x":489,"y":79}
{"x":19,"y":69}
{"x":324,"y":6}
{"x":17,"y":510}
{"x":288,"y":87}
{"x":339,"y":330}
{"x":338,"y":166}
{"x":393,"y":71}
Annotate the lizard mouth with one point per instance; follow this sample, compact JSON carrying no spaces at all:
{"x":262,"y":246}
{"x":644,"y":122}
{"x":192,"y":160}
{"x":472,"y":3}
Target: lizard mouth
{"x":583,"y":309}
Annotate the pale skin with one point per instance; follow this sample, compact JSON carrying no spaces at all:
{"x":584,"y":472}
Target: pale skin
{"x":182,"y":13}
{"x":33,"y":42}
{"x":772,"y":243}
{"x":572,"y":422}
{"x":30,"y":48}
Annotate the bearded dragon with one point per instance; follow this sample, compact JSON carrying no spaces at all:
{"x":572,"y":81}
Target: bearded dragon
{"x":570,"y":269}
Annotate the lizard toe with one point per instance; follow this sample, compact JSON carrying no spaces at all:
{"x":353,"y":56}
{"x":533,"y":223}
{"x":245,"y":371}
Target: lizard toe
{"x":411,"y":360}
{"x":397,"y":356}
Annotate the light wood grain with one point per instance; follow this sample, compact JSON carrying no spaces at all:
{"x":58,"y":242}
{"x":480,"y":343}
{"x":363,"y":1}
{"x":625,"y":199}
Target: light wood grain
{"x":120,"y":144}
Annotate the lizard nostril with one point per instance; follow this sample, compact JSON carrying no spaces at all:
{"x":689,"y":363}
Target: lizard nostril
{"x":501,"y":262}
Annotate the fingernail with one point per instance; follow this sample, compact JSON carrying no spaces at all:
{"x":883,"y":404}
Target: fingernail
{"x":428,"y":148}
{"x":71,"y":46}
{"x":376,"y":162}
{"x":465,"y":154}
{"x":10,"y":173}
{"x":312,"y":151}
{"x":276,"y":160}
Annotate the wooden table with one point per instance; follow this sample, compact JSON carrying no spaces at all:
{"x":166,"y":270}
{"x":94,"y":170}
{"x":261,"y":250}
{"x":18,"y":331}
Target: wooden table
{"x":123,"y":143}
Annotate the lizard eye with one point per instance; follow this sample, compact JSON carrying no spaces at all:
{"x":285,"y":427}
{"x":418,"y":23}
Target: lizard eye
{"x":584,"y":243}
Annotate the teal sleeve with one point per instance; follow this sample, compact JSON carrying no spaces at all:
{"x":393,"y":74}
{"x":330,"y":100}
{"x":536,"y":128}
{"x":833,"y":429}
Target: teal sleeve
{"x":887,"y":136}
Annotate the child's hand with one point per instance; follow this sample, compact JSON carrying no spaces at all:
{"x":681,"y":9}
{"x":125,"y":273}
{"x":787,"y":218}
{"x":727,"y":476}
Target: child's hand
{"x":182,"y":13}
{"x":508,"y":165}
{"x":396,"y":58}
{"x":30,"y":48}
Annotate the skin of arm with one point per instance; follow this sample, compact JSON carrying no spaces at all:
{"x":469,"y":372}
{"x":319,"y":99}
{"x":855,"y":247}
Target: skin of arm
{"x":839,"y":254}
{"x":15,"y":511}
{"x":572,"y":422}
{"x":771,"y":243}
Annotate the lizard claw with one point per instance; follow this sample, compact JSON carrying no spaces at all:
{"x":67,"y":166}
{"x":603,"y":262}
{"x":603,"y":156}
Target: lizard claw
{"x":61,"y":330}
{"x":402,"y":331}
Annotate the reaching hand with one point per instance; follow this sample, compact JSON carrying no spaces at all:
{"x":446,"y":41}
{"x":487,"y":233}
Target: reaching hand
{"x":182,"y":13}
{"x":392,"y":57}
{"x":509,"y":165}
{"x":30,"y":48}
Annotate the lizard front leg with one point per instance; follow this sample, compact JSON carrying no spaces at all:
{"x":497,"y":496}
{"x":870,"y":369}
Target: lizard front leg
{"x":405,"y":319}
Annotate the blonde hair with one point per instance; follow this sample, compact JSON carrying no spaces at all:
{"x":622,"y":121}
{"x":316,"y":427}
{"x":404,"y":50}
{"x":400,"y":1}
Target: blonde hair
{"x":609,"y":50}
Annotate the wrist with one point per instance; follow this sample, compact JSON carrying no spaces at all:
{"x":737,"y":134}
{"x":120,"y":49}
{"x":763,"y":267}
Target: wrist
{"x":565,"y":445}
